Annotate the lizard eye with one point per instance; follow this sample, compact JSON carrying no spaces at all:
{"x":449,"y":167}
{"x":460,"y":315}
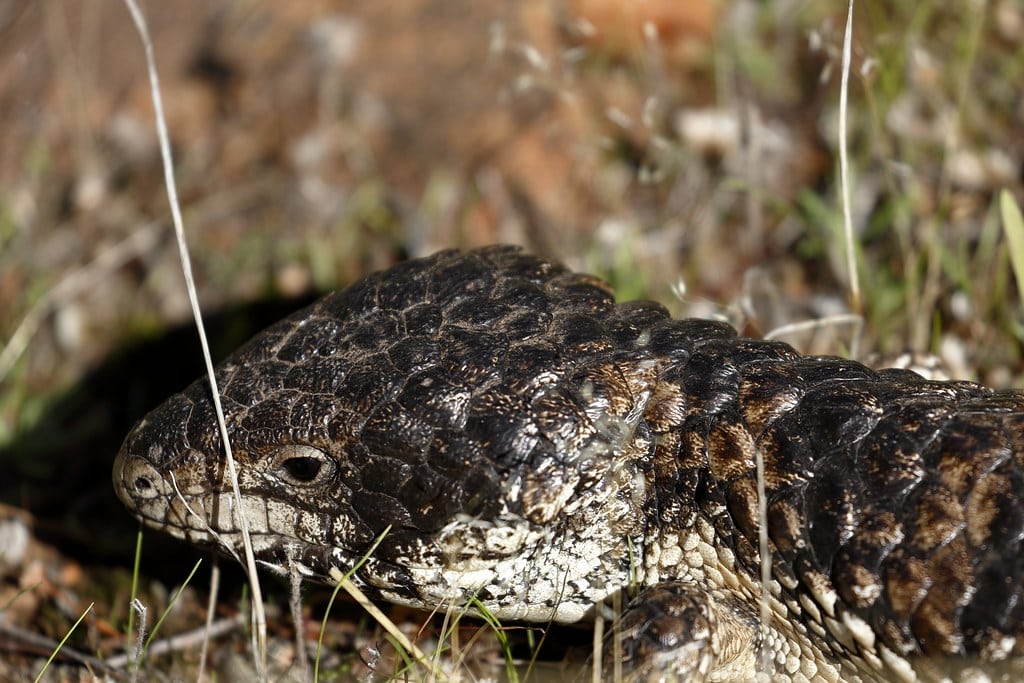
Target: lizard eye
{"x":302,"y":465}
{"x":302,"y":469}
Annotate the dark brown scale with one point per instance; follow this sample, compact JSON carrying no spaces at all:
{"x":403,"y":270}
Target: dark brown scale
{"x":495,"y":386}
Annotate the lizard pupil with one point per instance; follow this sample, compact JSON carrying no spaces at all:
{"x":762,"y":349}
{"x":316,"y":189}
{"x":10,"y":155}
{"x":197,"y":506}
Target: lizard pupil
{"x":302,"y":469}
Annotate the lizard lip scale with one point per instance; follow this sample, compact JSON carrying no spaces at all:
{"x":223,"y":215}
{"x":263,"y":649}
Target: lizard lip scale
{"x":536,"y":445}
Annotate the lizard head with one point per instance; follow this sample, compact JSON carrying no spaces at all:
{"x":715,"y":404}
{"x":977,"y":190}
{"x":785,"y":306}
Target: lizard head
{"x":453,"y":414}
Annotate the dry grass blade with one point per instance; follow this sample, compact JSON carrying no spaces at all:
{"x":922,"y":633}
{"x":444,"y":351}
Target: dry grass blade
{"x":186,"y":641}
{"x":342,"y":581}
{"x":383,"y":620}
{"x":259,"y":616}
{"x":844,"y":166}
{"x":211,"y":609}
{"x":596,"y":675}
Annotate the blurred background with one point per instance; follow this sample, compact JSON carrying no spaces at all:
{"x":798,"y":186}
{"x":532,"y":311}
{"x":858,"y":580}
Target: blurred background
{"x":685,"y":151}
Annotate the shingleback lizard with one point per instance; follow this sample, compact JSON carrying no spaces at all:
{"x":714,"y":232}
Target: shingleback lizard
{"x":540,"y":447}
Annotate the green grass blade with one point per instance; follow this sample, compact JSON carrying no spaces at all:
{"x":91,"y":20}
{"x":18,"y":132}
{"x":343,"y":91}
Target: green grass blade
{"x":135,"y":588}
{"x":1013,"y":226}
{"x":499,"y":632}
{"x":61,"y":643}
{"x":177,"y":594}
{"x":334,"y":594}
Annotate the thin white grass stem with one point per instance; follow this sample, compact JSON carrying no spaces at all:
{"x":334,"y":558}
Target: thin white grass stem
{"x":763,"y":655}
{"x":617,"y":608}
{"x":854,"y":320}
{"x":260,"y":653}
{"x":211,"y":607}
{"x":754,"y":218}
{"x":295,"y":605}
{"x":449,"y":627}
{"x":596,"y":676}
{"x":185,"y":641}
{"x":139,"y":646}
{"x":210,"y":530}
{"x":844,"y":167}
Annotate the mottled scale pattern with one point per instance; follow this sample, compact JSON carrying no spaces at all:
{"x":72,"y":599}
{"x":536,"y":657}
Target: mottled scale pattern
{"x":526,"y":440}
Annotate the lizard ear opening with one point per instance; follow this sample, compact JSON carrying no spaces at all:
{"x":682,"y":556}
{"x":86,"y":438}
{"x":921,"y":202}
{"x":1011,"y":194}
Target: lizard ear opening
{"x":300,"y":465}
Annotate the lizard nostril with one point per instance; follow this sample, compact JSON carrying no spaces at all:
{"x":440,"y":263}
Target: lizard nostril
{"x":134,"y":479}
